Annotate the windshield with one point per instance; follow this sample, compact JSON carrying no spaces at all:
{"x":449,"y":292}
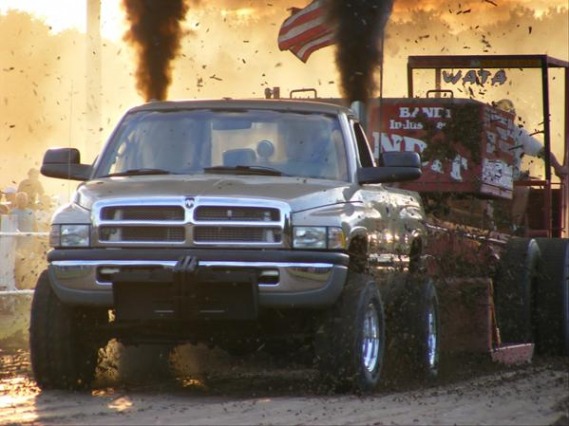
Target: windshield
{"x":214,"y":141}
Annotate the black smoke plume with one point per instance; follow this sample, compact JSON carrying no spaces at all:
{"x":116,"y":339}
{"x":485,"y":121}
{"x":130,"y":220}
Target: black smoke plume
{"x":155,"y":33}
{"x":360,"y":30}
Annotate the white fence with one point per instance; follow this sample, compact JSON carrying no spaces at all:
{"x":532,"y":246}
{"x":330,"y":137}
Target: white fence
{"x":22,"y":259}
{"x":22,"y":256}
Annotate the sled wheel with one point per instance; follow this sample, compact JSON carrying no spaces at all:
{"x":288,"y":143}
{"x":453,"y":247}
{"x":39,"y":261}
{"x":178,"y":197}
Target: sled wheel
{"x":552,"y":297}
{"x":350,"y":344}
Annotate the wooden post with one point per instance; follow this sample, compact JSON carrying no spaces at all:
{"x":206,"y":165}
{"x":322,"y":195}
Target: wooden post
{"x":93,"y":79}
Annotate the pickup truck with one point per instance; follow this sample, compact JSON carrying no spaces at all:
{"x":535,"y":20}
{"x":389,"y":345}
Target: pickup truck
{"x":241,"y":224}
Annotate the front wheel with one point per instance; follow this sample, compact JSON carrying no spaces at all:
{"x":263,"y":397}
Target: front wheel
{"x":63,"y":344}
{"x":350,"y":343}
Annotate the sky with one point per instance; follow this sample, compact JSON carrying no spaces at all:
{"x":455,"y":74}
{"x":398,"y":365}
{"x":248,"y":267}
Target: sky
{"x":71,"y":13}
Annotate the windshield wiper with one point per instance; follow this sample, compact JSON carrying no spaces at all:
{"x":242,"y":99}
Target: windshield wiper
{"x":141,"y":172}
{"x":244,"y":170}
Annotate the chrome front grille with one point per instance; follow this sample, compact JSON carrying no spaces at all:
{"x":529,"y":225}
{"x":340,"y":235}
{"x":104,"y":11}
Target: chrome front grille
{"x":212,"y":234}
{"x":158,"y":213}
{"x":143,"y":233}
{"x":190,"y":222}
{"x":229,"y":212}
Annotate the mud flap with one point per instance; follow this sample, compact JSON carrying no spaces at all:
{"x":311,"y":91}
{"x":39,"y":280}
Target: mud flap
{"x":209,"y":293}
{"x":187,"y":292}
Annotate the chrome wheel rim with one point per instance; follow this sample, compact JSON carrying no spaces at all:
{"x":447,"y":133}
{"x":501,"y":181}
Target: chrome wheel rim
{"x":371,"y":342}
{"x":432,"y":338}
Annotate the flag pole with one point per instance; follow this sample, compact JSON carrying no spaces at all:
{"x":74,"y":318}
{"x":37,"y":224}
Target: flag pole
{"x":377,"y":148}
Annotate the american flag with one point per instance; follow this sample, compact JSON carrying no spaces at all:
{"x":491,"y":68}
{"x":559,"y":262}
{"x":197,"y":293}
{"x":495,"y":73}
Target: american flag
{"x":306,"y":31}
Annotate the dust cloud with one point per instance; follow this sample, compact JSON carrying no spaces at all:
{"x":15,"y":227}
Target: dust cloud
{"x":229,"y":49}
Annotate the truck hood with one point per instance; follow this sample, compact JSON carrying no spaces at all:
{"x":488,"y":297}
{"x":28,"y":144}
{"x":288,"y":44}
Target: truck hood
{"x":297,"y":192}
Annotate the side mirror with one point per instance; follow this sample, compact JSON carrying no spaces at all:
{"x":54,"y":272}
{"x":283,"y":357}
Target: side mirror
{"x":393,"y":166}
{"x":65,"y":163}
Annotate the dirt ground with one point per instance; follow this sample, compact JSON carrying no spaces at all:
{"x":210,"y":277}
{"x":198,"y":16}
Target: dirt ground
{"x":208,"y":387}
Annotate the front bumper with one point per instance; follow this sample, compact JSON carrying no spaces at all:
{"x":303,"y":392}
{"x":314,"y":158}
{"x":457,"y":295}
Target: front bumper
{"x":281,"y":278}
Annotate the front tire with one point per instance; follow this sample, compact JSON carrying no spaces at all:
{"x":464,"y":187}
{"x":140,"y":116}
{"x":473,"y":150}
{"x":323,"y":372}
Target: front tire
{"x":63,"y":345}
{"x":350,"y":344}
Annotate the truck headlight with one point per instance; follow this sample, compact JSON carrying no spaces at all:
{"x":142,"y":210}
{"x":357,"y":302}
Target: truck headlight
{"x":318,"y":237}
{"x":69,"y":235}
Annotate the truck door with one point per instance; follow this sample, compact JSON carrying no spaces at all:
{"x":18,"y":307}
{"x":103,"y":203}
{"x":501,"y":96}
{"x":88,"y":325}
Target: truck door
{"x":399,"y":211}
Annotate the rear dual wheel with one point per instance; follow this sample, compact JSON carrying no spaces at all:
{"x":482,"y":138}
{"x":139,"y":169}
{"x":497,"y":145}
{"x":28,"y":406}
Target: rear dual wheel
{"x":423,"y":317}
{"x":415,"y":329}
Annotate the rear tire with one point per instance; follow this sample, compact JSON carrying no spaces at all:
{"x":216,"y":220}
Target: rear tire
{"x":414,"y":330}
{"x":552,"y":298}
{"x":63,"y":346}
{"x":423,"y":329}
{"x":516,"y":281}
{"x":350,"y":344}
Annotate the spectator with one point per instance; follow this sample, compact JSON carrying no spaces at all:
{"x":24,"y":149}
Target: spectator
{"x":4,"y":208}
{"x":26,"y":216}
{"x":44,"y":211}
{"x":27,"y":247}
{"x":32,"y":186}
{"x":9,"y":201}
